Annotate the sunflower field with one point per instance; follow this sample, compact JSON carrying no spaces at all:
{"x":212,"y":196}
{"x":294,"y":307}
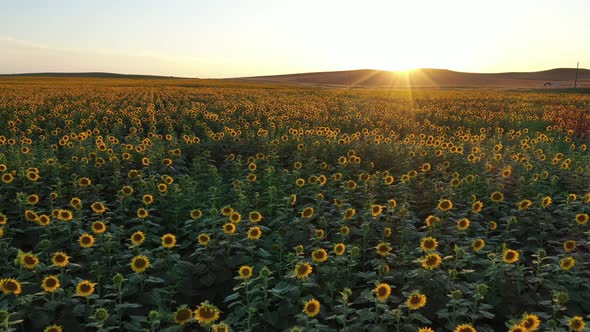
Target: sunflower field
{"x":189,"y":205}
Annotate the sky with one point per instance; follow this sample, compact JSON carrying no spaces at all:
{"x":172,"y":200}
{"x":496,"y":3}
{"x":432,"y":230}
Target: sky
{"x":223,"y":38}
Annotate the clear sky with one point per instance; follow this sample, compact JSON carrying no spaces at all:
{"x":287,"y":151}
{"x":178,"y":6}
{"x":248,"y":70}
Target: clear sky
{"x":223,"y":38}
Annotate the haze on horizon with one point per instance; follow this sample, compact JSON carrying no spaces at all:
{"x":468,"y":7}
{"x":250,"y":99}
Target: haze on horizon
{"x":226,"y":38}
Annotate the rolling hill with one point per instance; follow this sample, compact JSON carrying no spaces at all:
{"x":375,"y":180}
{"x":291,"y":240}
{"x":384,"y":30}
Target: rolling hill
{"x":426,"y":77}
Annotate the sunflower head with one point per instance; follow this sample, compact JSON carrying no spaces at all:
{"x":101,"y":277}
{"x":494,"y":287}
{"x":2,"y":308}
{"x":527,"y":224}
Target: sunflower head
{"x":311,"y":308}
{"x":254,"y":233}
{"x":445,"y":205}
{"x":245,"y":272}
{"x":303,"y":270}
{"x":431,"y":261}
{"x":203,"y":239}
{"x":382,"y":291}
{"x":339,"y":249}
{"x":416,"y":301}
{"x":319,"y":255}
{"x":530,"y":322}
{"x":168,"y":240}
{"x":85,"y":288}
{"x":383,"y":249}
{"x":206,"y":313}
{"x":510,"y":256}
{"x":577,"y":323}
{"x":183,"y":315}
{"x":428,"y":243}
{"x":50,"y":284}
{"x":140,"y":264}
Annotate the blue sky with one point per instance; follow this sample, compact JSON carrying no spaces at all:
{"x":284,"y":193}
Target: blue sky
{"x":239,"y":38}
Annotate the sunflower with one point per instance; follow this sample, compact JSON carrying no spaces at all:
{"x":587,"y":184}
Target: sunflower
{"x":497,"y":197}
{"x":221,"y":327}
{"x":3,"y":219}
{"x":567,"y":263}
{"x":382,"y":291}
{"x":50,"y":284}
{"x":29,"y":261}
{"x":64,"y":215}
{"x":10,"y":286}
{"x":53,"y":328}
{"x":463,"y":224}
{"x":76,"y":203}
{"x":86,"y":240}
{"x":311,"y":308}
{"x":432,"y":220}
{"x":206,"y":313}
{"x":307,"y":213}
{"x":127,"y":191}
{"x":60,"y":259}
{"x":569,"y":246}
{"x":142,"y":213}
{"x":416,"y":301}
{"x":431,"y":261}
{"x":43,"y":219}
{"x":137,"y":238}
{"x":203,"y":239}
{"x":31,"y":215}
{"x":162,"y":188}
{"x":300,"y":182}
{"x":235,"y":217}
{"x":292,"y":199}
{"x":254,"y":233}
{"x":319,"y":233}
{"x":387,"y":232}
{"x":530,"y":322}
{"x":148,"y":199}
{"x":32,"y":199}
{"x":493,"y":225}
{"x":140,"y":263}
{"x":476,"y":207}
{"x":510,"y":256}
{"x":245,"y":272}
{"x":183,"y":315}
{"x":344,"y":230}
{"x":546,"y":201}
{"x":376,"y":210}
{"x":319,"y":255}
{"x":425,"y":329}
{"x":524,"y":204}
{"x":582,"y":218}
{"x":168,"y":240}
{"x":518,"y":328}
{"x":85,"y":288}
{"x":478,"y":244}
{"x":577,"y":323}
{"x":303,"y":270}
{"x":84,"y":182}
{"x":445,"y":205}
{"x":465,"y":328}
{"x":7,"y":178}
{"x":99,"y":227}
{"x":383,"y":249}
{"x":229,"y":228}
{"x":428,"y":243}
{"x":255,"y":216}
{"x":339,"y":249}
{"x":98,"y":207}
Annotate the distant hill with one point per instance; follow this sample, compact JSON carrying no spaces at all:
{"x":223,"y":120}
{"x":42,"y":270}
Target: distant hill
{"x":90,"y":75}
{"x":427,"y":77}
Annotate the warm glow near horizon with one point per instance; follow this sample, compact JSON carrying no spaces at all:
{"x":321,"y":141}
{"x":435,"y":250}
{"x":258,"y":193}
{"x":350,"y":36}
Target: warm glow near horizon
{"x":246,"y":38}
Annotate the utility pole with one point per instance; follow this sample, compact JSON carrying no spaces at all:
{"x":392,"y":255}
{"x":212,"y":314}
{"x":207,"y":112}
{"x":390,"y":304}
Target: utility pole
{"x":576,"y":81}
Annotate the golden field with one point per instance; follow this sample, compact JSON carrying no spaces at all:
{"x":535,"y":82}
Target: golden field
{"x":201,"y":205}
